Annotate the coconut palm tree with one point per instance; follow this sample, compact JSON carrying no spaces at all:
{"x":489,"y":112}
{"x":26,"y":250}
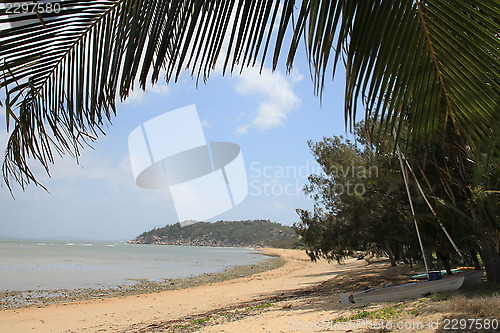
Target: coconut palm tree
{"x":63,"y":63}
{"x":430,"y":64}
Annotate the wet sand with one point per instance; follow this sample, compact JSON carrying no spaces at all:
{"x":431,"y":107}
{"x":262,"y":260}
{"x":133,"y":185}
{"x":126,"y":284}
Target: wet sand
{"x":10,"y":300}
{"x":141,"y":312}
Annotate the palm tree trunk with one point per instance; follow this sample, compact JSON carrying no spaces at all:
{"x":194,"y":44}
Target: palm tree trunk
{"x":490,"y":255}
{"x":490,"y":250}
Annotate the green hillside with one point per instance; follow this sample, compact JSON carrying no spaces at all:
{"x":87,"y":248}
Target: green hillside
{"x":255,"y":233}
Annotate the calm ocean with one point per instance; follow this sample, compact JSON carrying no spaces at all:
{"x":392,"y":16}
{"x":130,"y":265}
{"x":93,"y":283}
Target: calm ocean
{"x":36,"y":265}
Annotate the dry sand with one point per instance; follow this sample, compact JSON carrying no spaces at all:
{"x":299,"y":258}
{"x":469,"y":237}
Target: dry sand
{"x":142,"y":311}
{"x":300,"y":296}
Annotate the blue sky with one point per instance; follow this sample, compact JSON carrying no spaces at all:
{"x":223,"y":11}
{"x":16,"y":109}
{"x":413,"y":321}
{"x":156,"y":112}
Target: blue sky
{"x":270,"y":116}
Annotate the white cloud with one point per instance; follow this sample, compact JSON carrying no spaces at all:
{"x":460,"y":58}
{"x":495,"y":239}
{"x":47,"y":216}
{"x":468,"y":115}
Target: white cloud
{"x":137,"y":95}
{"x":296,"y":76}
{"x":160,"y":88}
{"x":242,"y":129}
{"x":206,"y":124}
{"x":115,"y":176}
{"x":65,"y":169}
{"x":276,"y":95}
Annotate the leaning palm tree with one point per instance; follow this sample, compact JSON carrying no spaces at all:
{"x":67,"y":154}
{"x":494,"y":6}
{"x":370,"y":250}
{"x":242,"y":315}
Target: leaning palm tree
{"x":432,"y":65}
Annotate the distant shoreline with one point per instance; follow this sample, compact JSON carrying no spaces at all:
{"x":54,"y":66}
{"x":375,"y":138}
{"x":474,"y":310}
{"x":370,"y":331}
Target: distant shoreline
{"x":246,"y":234}
{"x":144,"y":312}
{"x":10,"y":300}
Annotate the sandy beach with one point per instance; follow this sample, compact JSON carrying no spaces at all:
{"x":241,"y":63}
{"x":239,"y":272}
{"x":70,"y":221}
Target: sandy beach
{"x":298,"y":296}
{"x":132,"y":312}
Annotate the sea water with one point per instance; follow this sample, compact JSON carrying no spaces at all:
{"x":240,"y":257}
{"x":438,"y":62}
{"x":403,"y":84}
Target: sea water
{"x":38,"y":265}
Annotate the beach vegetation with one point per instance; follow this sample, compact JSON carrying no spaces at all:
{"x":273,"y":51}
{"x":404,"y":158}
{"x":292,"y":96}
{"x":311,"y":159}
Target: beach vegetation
{"x":264,"y":305}
{"x":388,"y":312}
{"x":199,"y":321}
{"x":374,"y":220}
{"x":480,"y":305}
{"x":455,"y":200}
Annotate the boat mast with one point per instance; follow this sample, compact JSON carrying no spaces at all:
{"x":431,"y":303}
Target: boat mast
{"x":405,"y":178}
{"x":433,"y":211}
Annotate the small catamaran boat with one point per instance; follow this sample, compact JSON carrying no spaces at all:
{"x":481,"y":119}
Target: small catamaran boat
{"x":470,"y":276}
{"x":404,"y":291}
{"x":421,"y":288}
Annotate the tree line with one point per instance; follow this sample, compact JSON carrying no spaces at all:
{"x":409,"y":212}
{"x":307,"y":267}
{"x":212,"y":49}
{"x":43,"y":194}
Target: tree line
{"x":454,"y":191}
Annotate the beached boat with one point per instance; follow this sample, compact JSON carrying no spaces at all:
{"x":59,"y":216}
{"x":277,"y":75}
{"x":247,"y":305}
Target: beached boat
{"x":425,"y":276}
{"x":470,"y":276}
{"x":435,"y":284}
{"x":404,"y":291}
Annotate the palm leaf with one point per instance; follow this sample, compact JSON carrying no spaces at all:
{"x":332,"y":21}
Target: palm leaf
{"x":63,"y":72}
{"x":430,"y":64}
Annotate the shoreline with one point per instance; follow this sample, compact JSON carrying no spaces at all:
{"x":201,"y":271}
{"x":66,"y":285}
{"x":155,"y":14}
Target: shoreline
{"x":20,"y":299}
{"x":299,"y":296}
{"x":129,"y":313}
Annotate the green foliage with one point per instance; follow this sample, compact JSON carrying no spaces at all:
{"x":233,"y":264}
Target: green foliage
{"x":264,"y":305}
{"x":224,"y":233}
{"x":360,"y":202}
{"x":430,"y":62}
{"x":389,"y":312}
{"x":462,"y":183}
{"x":460,"y":195}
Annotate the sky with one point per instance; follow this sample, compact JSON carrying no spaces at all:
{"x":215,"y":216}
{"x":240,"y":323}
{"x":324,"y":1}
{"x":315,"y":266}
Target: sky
{"x":271,"y":116}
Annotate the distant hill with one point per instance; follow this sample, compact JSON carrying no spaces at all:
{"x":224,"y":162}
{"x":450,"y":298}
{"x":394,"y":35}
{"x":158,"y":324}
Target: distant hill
{"x":255,"y":233}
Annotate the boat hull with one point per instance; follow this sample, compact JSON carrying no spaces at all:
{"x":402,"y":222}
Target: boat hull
{"x":471,"y":277}
{"x":405,"y":291}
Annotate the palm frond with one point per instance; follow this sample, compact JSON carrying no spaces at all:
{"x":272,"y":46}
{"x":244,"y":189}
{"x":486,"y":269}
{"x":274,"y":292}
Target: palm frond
{"x":423,"y":62}
{"x":427,"y":63}
{"x":62,"y":72}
